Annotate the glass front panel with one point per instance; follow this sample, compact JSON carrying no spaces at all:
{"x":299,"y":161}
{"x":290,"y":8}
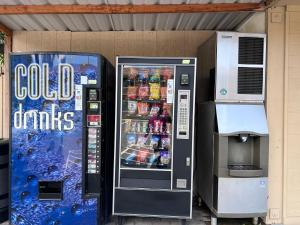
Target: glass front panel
{"x":147,"y":116}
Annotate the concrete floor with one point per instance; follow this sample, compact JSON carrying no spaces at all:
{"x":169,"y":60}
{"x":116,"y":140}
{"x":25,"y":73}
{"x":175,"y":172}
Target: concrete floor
{"x":201,"y":216}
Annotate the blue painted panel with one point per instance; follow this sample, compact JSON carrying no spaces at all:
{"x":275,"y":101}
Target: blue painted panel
{"x":49,"y":154}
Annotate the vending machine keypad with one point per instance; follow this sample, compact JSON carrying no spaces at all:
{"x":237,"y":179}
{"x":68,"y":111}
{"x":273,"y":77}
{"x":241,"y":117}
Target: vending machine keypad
{"x":183,"y":115}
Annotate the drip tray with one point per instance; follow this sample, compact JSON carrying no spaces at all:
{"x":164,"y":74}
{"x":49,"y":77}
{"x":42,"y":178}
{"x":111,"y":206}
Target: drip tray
{"x":245,"y":171}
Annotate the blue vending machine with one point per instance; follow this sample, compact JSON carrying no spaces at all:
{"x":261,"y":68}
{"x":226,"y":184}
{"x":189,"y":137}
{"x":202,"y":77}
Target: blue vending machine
{"x":62,"y":119}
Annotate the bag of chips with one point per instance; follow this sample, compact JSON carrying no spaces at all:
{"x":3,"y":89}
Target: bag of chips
{"x":155,"y":76}
{"x":142,"y":155}
{"x":164,"y":157}
{"x":141,"y":141}
{"x":154,"y":141}
{"x":165,"y":143}
{"x":154,"y":91}
{"x":143,"y":108}
{"x":155,"y":108}
{"x":163,"y":93}
{"x":131,"y":92}
{"x":143,"y":92}
{"x":167,"y":109}
{"x":133,"y":72}
{"x":131,"y":139}
{"x":132,"y":107}
{"x":167,"y":73}
{"x":144,"y":74}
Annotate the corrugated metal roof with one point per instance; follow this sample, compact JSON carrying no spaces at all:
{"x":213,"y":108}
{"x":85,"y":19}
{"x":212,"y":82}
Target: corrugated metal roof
{"x":127,"y":22}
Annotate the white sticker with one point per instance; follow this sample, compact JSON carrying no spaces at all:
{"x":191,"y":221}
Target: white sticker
{"x":83,"y":80}
{"x":78,"y":97}
{"x":92,"y":81}
{"x":170,"y":90}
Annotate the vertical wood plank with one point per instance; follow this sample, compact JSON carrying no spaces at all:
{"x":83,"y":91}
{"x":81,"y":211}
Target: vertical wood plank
{"x":193,"y":40}
{"x":34,"y":41}
{"x":275,"y":108}
{"x":49,"y":41}
{"x":19,"y":41}
{"x":78,"y":43}
{"x":170,"y":43}
{"x":149,"y":43}
{"x":6,"y":118}
{"x":106,"y":45}
{"x":63,"y":42}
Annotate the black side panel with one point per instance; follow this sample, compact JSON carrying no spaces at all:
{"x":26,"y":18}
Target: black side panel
{"x":108,"y":125}
{"x":152,"y":203}
{"x":4,"y":146}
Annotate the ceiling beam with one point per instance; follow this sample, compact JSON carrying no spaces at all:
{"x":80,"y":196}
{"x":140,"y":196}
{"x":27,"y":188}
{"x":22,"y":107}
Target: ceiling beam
{"x":128,"y":9}
{"x":5,"y":30}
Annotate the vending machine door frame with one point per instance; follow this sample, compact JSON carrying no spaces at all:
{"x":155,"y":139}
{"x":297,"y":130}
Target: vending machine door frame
{"x":179,"y":187}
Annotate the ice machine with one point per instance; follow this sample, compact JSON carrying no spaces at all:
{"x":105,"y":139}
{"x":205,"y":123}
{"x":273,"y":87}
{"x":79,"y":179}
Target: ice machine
{"x":153,"y":173}
{"x":62,"y":107}
{"x":232,"y":131}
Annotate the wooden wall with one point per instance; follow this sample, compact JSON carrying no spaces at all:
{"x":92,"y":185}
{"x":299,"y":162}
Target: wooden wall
{"x":291,"y":186}
{"x":283,"y":106}
{"x":111,"y":44}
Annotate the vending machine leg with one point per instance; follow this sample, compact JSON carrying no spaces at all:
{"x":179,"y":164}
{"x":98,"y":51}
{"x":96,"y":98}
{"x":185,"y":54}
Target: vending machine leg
{"x":213,"y":220}
{"x":120,"y":220}
{"x":255,"y":221}
{"x":183,"y":222}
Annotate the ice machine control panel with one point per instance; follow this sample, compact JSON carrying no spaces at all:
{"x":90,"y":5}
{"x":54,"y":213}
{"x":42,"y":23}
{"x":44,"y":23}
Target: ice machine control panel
{"x":183,"y":114}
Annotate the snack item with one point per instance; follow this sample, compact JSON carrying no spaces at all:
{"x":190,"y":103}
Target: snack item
{"x":132,"y":107}
{"x":165,"y":142}
{"x":157,"y":126}
{"x":138,"y":126}
{"x":143,"y":108}
{"x":131,"y":92}
{"x":142,"y":155}
{"x":167,"y":109}
{"x":143,"y":92}
{"x":144,"y":74}
{"x":164,"y":157}
{"x":131,"y":139}
{"x":142,"y":139}
{"x":133,"y":72}
{"x":133,"y":126}
{"x":154,"y":91}
{"x":166,"y":73}
{"x":154,"y":141}
{"x":127,"y":125}
{"x":154,"y":109}
{"x":163,"y":92}
{"x":168,"y":128}
{"x":155,"y":76}
{"x":144,"y":126}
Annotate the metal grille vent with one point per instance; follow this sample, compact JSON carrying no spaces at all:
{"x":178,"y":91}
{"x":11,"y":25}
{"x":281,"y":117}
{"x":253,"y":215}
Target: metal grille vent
{"x":251,"y":50}
{"x":250,"y":80}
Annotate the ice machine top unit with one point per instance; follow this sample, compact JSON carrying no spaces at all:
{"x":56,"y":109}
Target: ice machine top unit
{"x":236,"y":66}
{"x":154,"y":137}
{"x":60,"y":107}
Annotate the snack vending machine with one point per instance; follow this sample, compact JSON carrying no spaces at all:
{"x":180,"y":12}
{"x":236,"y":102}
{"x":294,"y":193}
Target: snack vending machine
{"x":61,"y":155}
{"x":154,"y":141}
